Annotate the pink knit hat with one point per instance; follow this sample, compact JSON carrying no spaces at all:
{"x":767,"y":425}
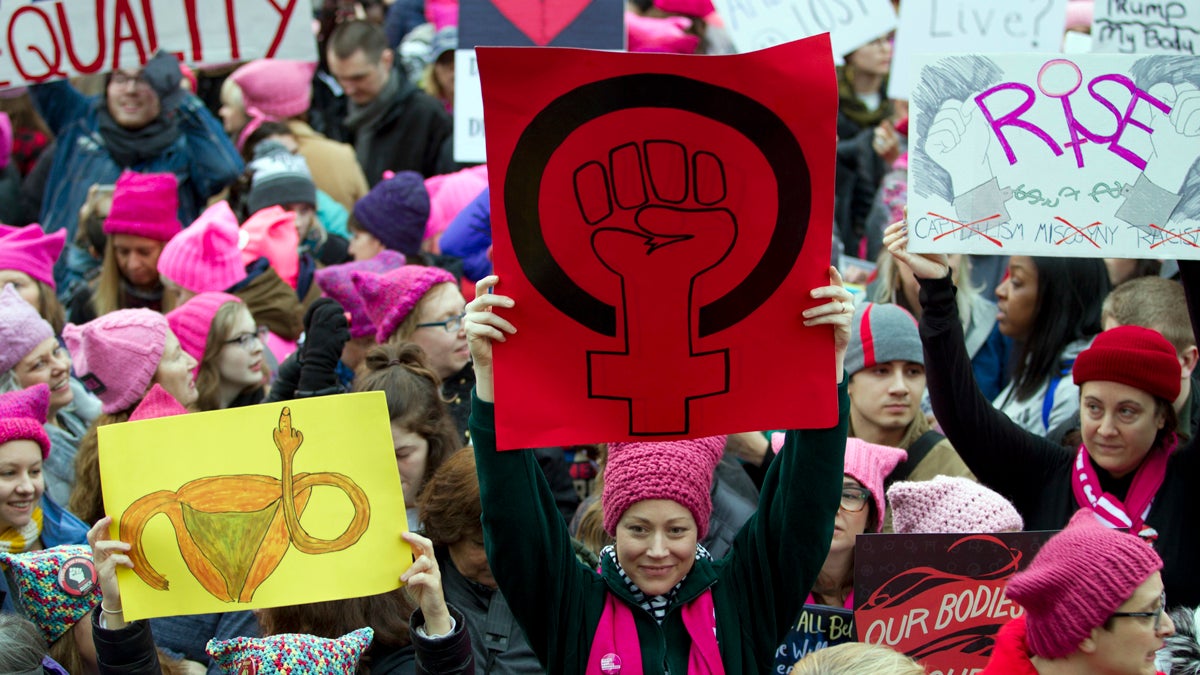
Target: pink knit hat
{"x":157,"y":403}
{"x":6,"y":140}
{"x":681,"y":471}
{"x":870,"y":464}
{"x":205,"y":256}
{"x":950,"y":504}
{"x":21,"y":328}
{"x":390,"y":297}
{"x":22,"y":414}
{"x":30,"y":250}
{"x":1076,"y":581}
{"x":145,"y":205}
{"x":335,"y":282}
{"x":696,"y":8}
{"x":660,"y":35}
{"x":450,"y":193}
{"x":117,"y":355}
{"x":273,"y":90}
{"x":271,"y":234}
{"x":192,"y":320}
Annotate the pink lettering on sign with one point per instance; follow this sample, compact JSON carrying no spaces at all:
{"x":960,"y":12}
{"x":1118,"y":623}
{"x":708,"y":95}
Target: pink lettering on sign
{"x":1123,"y":117}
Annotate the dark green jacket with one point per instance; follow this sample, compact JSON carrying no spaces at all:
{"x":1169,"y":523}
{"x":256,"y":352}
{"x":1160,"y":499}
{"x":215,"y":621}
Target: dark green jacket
{"x":757,"y":589}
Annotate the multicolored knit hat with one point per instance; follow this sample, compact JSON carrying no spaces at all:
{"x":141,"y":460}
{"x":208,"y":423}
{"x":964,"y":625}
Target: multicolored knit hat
{"x":21,"y":328}
{"x":881,"y":333}
{"x":870,"y":464}
{"x":390,"y":297}
{"x":291,"y":653}
{"x":117,"y":355}
{"x":395,"y":212}
{"x":55,"y":587}
{"x":950,"y":504}
{"x":205,"y":256}
{"x":1139,"y":357}
{"x":681,"y":471}
{"x":157,"y":403}
{"x":192,"y":321}
{"x":335,"y":282}
{"x":1076,"y":581}
{"x":30,"y":250}
{"x":145,"y":205}
{"x":23,"y":414}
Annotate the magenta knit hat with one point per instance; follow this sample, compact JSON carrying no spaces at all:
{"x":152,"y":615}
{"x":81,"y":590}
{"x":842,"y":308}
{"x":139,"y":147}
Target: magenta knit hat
{"x":1077,"y":581}
{"x":6,"y":140}
{"x":450,"y":193}
{"x":117,"y":355}
{"x":21,"y":328}
{"x":660,"y":35}
{"x":1139,"y":357}
{"x":681,"y":471}
{"x":157,"y":403}
{"x":56,"y":587}
{"x":30,"y":250}
{"x":271,"y":233}
{"x":145,"y":205}
{"x":950,"y":504}
{"x":273,"y":90}
{"x":395,"y":212}
{"x":696,"y":8}
{"x":205,"y":256}
{"x":335,"y":282}
{"x":291,"y":653}
{"x":390,"y":297}
{"x":870,"y":464}
{"x":22,"y":414}
{"x":192,"y":320}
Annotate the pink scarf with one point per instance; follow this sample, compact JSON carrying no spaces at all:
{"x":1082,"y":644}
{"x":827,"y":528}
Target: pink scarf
{"x":616,"y":649}
{"x":1132,"y":512}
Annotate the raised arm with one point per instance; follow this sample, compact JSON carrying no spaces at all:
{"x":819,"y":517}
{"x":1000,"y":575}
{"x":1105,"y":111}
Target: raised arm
{"x":59,"y":104}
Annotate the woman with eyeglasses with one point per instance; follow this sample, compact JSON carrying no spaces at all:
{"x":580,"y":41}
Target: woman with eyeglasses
{"x":1094,"y":603}
{"x":862,"y":509}
{"x":219,"y":332}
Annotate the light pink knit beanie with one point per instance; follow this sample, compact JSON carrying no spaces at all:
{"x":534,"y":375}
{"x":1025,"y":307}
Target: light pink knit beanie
{"x":950,"y":504}
{"x":870,"y":464}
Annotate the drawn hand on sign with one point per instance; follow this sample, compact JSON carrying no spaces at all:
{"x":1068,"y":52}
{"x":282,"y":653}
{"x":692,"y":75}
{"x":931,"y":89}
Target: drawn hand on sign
{"x":958,"y":141}
{"x":1176,"y":138}
{"x":660,"y":227}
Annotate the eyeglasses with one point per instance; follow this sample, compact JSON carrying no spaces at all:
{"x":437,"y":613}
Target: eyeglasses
{"x":451,"y":325}
{"x":246,"y":340}
{"x":124,"y":79}
{"x":854,"y":499}
{"x":1157,"y":614}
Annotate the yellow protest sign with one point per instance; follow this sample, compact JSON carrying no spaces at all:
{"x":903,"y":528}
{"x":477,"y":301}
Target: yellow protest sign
{"x":262,"y":506}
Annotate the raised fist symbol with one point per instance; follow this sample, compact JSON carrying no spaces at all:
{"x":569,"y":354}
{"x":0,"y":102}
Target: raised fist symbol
{"x":659,"y":225}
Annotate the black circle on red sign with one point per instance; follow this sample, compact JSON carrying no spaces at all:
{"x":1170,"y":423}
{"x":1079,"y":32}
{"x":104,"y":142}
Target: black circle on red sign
{"x":558,"y":120}
{"x":82,"y":581}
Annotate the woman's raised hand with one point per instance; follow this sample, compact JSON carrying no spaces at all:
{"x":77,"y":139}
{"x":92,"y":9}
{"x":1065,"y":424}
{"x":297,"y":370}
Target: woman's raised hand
{"x":107,"y":554}
{"x":837,"y":313}
{"x":424,"y":581}
{"x":923,"y":265}
{"x":483,"y":327}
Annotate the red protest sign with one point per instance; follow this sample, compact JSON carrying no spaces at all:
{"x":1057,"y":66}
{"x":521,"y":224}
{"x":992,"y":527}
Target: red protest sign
{"x":660,"y":220}
{"x":939,"y":598}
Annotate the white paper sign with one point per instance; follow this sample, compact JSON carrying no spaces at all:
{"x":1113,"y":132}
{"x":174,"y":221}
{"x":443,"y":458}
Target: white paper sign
{"x":950,"y":26}
{"x":54,"y":40}
{"x":1138,"y":27}
{"x":758,"y":24}
{"x":470,"y":145}
{"x":1083,"y":156}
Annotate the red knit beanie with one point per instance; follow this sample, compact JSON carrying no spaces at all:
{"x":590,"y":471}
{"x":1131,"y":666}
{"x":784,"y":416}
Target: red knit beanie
{"x":1132,"y":355}
{"x":681,"y":471}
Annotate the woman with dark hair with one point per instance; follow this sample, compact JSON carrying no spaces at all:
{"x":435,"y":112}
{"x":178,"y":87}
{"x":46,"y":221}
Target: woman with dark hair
{"x":1127,"y":471}
{"x":422,"y":431}
{"x":1050,"y":307}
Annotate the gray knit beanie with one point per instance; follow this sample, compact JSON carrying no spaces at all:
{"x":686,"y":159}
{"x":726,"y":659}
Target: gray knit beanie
{"x":280,"y":178}
{"x":882,"y":333}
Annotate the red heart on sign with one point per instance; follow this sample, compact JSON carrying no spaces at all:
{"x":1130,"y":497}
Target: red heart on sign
{"x":541,"y":20}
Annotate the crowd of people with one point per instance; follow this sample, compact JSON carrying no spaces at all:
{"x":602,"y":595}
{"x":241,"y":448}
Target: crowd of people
{"x":177,"y":242}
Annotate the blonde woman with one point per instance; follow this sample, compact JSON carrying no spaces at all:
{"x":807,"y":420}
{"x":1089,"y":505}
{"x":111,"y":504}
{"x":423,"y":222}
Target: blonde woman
{"x":857,"y":657}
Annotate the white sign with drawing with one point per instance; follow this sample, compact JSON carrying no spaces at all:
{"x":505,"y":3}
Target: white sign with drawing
{"x":758,"y":24}
{"x":1092,"y":155}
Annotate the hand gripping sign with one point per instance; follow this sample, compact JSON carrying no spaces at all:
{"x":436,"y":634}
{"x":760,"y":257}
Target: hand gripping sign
{"x":660,"y":220}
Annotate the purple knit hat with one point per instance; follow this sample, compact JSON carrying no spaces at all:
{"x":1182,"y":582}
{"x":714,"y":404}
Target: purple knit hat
{"x":157,"y":403}
{"x":21,"y":328}
{"x":390,"y":297}
{"x":192,"y":320}
{"x":395,"y":212}
{"x":681,"y":471}
{"x":1077,"y":581}
{"x":335,"y":282}
{"x":117,"y":354}
{"x":205,"y":256}
{"x":145,"y":205}
{"x":30,"y":250}
{"x":56,"y":587}
{"x":950,"y":504}
{"x":291,"y":653}
{"x":22,"y":414}
{"x":870,"y":464}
